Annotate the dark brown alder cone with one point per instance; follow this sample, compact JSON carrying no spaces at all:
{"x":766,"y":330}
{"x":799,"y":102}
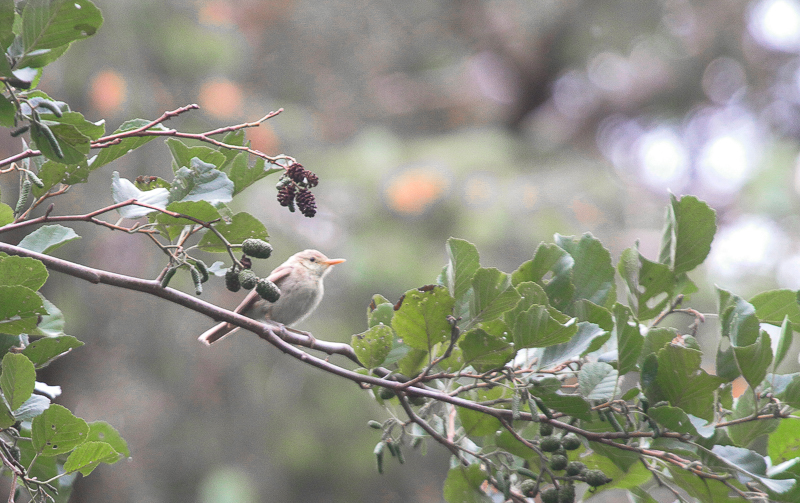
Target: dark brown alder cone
{"x":286,"y":195}
{"x":305,"y":203}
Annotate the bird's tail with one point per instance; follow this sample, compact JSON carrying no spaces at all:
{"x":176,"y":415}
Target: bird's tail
{"x":216,"y":333}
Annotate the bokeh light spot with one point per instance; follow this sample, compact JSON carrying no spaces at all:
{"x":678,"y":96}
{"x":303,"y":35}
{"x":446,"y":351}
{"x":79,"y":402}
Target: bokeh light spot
{"x":723,"y":164}
{"x":221,"y":98}
{"x":750,"y":246}
{"x":663,"y":158}
{"x":776,"y":24}
{"x":216,"y":13}
{"x":108,"y":92}
{"x":413,"y":191}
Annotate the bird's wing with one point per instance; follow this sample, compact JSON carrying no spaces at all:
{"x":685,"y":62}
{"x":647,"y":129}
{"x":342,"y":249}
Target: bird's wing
{"x":220,"y":330}
{"x":279,"y":273}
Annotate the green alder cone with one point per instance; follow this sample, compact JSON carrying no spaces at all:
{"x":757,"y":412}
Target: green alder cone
{"x":550,"y":495}
{"x":545,"y":429}
{"x":550,"y":444}
{"x":256,"y":248}
{"x":571,"y":441}
{"x":575,"y":468}
{"x":529,"y":488}
{"x":558,"y":462}
{"x":232,"y":280}
{"x":248,"y":279}
{"x":596,"y":478}
{"x":566,"y":493}
{"x":268,"y":290}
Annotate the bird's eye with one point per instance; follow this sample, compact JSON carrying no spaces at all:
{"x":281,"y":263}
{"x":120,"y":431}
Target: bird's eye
{"x":313,"y":259}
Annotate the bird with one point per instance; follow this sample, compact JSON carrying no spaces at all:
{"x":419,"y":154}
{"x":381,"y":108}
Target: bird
{"x":300,"y":282}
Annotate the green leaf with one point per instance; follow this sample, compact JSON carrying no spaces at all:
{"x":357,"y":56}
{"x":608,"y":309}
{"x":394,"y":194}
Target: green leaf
{"x":655,"y":339}
{"x":33,"y":406}
{"x":570,"y":404}
{"x":597,"y":381}
{"x":6,"y":214}
{"x":421,"y":322}
{"x":24,"y":271}
{"x":51,"y":324}
{"x":117,"y":150}
{"x":646,"y":281}
{"x":784,"y":442}
{"x":101,"y":431}
{"x":382,"y":313}
{"x":549,"y":258}
{"x":7,"y":110}
{"x":681,"y":382}
{"x":752,"y":464}
{"x":183,"y":154}
{"x":44,"y":351}
{"x":753,"y":360}
{"x":585,"y":310}
{"x":672,"y":418}
{"x":477,"y":424}
{"x":57,"y":431}
{"x":244,"y":176}
{"x":463,"y":485}
{"x":48,"y":238}
{"x":492,"y":295}
{"x":587,"y":335}
{"x":6,"y":22}
{"x":123,"y":190}
{"x":47,"y":24}
{"x":411,"y":363}
{"x":242,"y":226}
{"x":74,"y":146}
{"x":17,"y":379}
{"x":775,"y":305}
{"x":373,"y":346}
{"x":20,"y":308}
{"x":201,"y":181}
{"x":201,"y":210}
{"x":629,"y":338}
{"x":485,"y":351}
{"x":784,"y":342}
{"x":463,"y":263}
{"x":592,"y":274}
{"x":536,"y":328}
{"x":88,"y":456}
{"x":688,"y":233}
{"x":743,"y":434}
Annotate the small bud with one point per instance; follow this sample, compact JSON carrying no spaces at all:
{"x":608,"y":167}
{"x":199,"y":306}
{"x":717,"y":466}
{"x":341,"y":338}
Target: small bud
{"x":256,"y":248}
{"x":375,"y":424}
{"x":268,"y":290}
{"x":248,"y":279}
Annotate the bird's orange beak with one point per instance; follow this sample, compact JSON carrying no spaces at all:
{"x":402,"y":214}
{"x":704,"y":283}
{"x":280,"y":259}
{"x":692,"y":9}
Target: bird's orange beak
{"x":333,"y":261}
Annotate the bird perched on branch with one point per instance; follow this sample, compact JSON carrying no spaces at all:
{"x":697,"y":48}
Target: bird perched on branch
{"x":300,"y":282}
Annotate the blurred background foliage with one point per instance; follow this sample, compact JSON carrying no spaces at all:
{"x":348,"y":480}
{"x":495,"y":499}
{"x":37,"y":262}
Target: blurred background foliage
{"x":500,"y":122}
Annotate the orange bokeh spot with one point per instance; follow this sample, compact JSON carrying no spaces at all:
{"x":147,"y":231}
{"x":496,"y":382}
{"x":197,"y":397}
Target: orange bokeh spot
{"x":108,"y":92}
{"x":221,"y":98}
{"x":739,"y":386}
{"x":415,"y":190}
{"x":216,"y":13}
{"x":263,"y":138}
